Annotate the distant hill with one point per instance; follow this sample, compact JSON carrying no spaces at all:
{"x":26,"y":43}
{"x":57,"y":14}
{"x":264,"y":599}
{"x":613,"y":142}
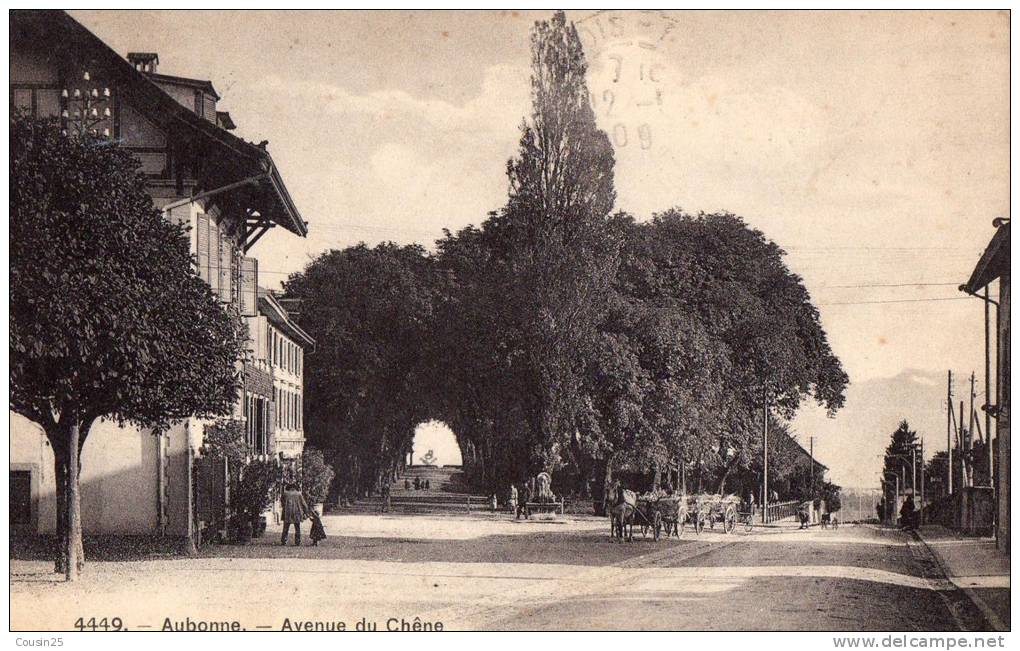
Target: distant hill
{"x":852,"y":443}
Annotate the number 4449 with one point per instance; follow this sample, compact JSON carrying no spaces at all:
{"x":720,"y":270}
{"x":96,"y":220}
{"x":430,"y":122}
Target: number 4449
{"x":104,"y":624}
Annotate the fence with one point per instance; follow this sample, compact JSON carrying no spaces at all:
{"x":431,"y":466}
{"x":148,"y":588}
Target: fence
{"x":780,"y":511}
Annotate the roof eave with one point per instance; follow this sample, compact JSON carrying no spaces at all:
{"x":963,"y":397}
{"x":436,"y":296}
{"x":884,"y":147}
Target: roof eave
{"x":988,"y":266}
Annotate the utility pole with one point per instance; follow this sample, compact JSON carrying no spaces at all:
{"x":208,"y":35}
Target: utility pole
{"x":811,"y":440}
{"x":922,"y":480}
{"x":988,"y":397}
{"x":765,"y":450}
{"x":970,"y":432}
{"x":949,"y":436}
{"x":913,"y":471}
{"x":963,"y":452}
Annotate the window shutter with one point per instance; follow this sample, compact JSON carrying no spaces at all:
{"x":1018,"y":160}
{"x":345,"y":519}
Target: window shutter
{"x":214,"y":257}
{"x":226,"y":259}
{"x":260,"y":338}
{"x":202,"y":246}
{"x":249,"y":286}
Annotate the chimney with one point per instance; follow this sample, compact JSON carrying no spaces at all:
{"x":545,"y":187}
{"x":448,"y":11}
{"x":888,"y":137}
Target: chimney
{"x":146,"y":62}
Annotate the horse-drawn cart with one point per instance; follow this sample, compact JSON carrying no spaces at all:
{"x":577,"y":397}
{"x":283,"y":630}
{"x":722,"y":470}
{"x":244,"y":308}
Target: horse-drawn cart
{"x":710,"y":509}
{"x":662,"y":514}
{"x":670,"y":513}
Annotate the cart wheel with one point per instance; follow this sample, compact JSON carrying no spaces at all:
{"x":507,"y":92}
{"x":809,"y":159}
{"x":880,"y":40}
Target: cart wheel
{"x":657,"y":525}
{"x":749,"y":523}
{"x":730,"y":520}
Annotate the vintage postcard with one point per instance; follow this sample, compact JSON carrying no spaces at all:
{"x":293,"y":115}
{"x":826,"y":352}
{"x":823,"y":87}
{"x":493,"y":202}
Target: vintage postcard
{"x":537,"y":320}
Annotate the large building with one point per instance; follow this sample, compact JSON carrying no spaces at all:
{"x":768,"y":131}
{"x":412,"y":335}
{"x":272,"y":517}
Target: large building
{"x":274,"y":388}
{"x":229,"y":193}
{"x":993,"y":268}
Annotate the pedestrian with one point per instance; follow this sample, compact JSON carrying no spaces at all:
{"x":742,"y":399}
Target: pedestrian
{"x":907,"y":513}
{"x":493,"y":503}
{"x":427,"y":484}
{"x":318,"y":532}
{"x":407,"y":484}
{"x":522,"y":508}
{"x":802,"y":514}
{"x":417,"y":484}
{"x":512,"y":502}
{"x":295,"y":508}
{"x":386,"y":497}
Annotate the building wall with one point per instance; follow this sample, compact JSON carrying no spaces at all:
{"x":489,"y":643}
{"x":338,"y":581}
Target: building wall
{"x":127,"y":473}
{"x":286,"y":359}
{"x":1002,"y":423}
{"x":120,"y":478}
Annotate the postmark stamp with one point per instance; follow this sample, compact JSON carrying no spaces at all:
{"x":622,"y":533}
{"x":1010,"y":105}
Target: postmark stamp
{"x":628,"y":71}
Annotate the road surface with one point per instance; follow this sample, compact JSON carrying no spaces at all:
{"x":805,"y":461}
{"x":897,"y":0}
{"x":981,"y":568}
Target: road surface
{"x":490,"y":572}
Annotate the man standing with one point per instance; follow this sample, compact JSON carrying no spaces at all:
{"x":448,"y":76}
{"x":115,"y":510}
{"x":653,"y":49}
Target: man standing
{"x":522,"y":506}
{"x":294,"y":510}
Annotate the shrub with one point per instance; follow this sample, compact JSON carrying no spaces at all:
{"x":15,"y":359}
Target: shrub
{"x":256,"y":490}
{"x":224,"y":439}
{"x":316,"y":476}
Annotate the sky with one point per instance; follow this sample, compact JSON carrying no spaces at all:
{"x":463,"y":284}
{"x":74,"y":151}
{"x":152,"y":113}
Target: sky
{"x":872,"y":146}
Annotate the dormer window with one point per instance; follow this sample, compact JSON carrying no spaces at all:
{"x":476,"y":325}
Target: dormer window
{"x":146,"y":62}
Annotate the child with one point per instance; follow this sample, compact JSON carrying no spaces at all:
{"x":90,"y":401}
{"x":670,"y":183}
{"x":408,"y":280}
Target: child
{"x":318,"y":531}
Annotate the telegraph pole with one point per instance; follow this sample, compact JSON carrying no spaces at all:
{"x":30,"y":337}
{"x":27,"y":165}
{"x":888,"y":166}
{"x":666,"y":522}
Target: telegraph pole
{"x":949,"y":436}
{"x":970,"y":432}
{"x":963,"y":453}
{"x":765,"y":449}
{"x":811,"y":439}
{"x":988,"y":397}
{"x":922,"y":480}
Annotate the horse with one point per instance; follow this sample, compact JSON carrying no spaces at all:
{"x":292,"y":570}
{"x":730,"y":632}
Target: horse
{"x":621,"y":515}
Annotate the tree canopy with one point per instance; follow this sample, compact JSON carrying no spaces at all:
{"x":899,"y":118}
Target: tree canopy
{"x":557,"y":334}
{"x":99,"y":284}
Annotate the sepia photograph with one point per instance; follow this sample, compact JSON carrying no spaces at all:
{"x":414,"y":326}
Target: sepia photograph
{"x":435,"y":320}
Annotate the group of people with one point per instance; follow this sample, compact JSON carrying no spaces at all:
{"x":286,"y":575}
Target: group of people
{"x":518,"y":500}
{"x":295,"y":510}
{"x":419,"y":484}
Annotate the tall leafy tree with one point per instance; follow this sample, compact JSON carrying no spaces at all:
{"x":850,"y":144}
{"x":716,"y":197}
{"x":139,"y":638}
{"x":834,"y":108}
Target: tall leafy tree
{"x":553,"y":246}
{"x":107,"y":318}
{"x":371,"y":312}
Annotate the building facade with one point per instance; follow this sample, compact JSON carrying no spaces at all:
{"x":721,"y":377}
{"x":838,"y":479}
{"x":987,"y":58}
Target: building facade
{"x":227,"y":191}
{"x":274,"y":387}
{"x":993,"y":269}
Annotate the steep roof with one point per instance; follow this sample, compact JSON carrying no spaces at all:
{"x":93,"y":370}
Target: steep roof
{"x":271,"y":308}
{"x":994,"y":262}
{"x":66,"y":39}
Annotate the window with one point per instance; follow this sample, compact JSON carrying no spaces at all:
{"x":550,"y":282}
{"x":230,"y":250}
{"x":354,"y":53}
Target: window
{"x":40,"y":102}
{"x":20,"y":507}
{"x":268,"y":351}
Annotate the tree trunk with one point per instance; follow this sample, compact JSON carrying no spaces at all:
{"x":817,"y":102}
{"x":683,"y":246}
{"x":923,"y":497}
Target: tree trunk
{"x":722,"y":481}
{"x":603,"y":485}
{"x":75,"y":552}
{"x":60,"y":477}
{"x":656,"y":478}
